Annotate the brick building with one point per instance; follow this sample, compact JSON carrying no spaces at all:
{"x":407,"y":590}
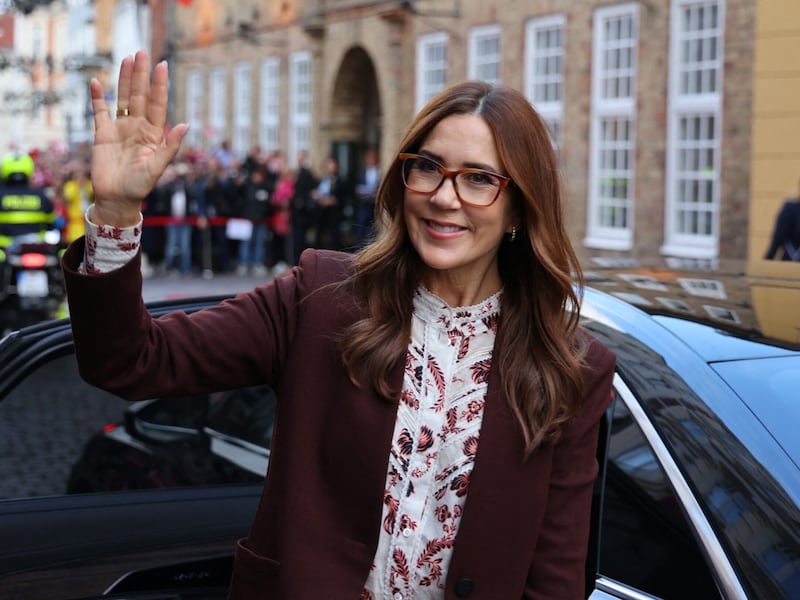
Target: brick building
{"x":649,"y":102}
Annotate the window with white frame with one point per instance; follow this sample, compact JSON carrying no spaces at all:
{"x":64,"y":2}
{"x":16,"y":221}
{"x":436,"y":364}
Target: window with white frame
{"x":194,"y":107}
{"x":544,"y":71}
{"x":693,"y":137}
{"x":269,"y":112}
{"x":485,"y":54}
{"x":431,"y":66}
{"x":242,"y":107}
{"x":217,"y":106}
{"x":613,"y":127}
{"x":299,"y":102}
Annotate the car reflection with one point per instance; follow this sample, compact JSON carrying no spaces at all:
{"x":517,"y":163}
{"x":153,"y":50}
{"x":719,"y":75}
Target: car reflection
{"x":220,"y":438}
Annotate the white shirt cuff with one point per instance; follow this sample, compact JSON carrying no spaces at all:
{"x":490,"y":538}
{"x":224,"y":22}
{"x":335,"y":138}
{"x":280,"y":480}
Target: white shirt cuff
{"x":109,"y":248}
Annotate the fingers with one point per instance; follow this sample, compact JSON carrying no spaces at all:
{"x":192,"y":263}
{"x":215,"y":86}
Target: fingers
{"x":167,"y":151}
{"x":124,"y":84}
{"x":156,"y":108}
{"x":174,"y":137}
{"x":99,"y":106}
{"x":139,"y":91}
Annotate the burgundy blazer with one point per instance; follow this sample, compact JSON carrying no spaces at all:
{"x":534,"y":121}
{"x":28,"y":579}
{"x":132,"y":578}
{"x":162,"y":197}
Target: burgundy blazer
{"x":525,"y":525}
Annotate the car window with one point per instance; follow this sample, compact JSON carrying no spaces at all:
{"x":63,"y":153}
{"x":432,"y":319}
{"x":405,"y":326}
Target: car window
{"x":645,"y":540}
{"x":60,"y":435}
{"x":245,"y":413}
{"x":45,"y":423}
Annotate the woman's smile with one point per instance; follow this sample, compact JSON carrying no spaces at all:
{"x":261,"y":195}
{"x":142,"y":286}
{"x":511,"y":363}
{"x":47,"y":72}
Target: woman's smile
{"x":443,"y":229}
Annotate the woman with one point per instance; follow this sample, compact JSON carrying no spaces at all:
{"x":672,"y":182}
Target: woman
{"x":438,"y":406}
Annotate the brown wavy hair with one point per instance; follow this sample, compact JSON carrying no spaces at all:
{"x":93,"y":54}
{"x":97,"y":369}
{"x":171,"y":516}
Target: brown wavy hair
{"x":539,"y":355}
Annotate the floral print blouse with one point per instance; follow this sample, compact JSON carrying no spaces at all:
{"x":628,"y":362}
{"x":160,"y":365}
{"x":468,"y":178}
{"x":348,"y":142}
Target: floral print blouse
{"x":434,"y":446}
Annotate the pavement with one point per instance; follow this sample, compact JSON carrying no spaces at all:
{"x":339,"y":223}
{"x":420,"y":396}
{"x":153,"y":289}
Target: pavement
{"x":166,"y":287}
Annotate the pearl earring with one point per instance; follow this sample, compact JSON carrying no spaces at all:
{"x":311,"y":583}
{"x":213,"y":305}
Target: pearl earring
{"x":513,"y":232}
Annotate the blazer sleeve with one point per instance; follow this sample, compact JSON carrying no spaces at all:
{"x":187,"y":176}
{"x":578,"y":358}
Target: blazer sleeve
{"x":558,"y":566}
{"x":242,"y":341}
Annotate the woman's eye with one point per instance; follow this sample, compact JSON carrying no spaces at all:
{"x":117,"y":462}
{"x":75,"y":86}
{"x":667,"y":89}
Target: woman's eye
{"x":480,"y":179}
{"x":427,"y":166}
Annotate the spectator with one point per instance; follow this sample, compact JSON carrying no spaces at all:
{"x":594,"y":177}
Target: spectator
{"x":219,"y":201}
{"x":77,"y":194}
{"x":155,"y":204}
{"x":302,"y":215}
{"x":257,"y":193}
{"x":225,"y":155}
{"x":279,"y":221}
{"x":185,"y":201}
{"x":367,"y":187}
{"x":330,"y":197}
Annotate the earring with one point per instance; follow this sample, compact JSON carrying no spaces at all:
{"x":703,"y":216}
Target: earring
{"x":513,"y":232}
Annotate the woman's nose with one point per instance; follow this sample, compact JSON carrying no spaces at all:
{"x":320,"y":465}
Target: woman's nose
{"x":445,"y":195}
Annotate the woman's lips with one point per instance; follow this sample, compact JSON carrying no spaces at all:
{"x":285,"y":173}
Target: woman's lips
{"x":446,"y":229}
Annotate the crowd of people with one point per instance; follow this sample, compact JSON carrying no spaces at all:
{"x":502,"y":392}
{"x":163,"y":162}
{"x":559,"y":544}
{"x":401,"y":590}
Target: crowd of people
{"x":216,"y":212}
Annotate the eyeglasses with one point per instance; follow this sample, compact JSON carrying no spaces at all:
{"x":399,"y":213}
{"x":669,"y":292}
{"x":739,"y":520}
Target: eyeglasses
{"x":474,"y":187}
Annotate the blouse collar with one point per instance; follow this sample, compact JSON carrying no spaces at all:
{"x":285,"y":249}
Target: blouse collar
{"x":431,"y":308}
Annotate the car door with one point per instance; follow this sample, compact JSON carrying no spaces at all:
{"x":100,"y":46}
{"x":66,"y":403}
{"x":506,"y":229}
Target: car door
{"x":653,"y":541}
{"x":147,"y":542}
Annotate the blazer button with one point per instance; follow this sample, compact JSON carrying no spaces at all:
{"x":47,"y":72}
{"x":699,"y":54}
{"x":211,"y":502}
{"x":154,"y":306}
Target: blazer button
{"x":464,"y":587}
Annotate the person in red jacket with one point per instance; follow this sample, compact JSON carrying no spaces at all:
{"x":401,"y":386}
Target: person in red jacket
{"x":438,"y":402}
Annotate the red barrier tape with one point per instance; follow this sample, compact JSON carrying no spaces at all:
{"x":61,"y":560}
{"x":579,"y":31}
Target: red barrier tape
{"x":161,"y":221}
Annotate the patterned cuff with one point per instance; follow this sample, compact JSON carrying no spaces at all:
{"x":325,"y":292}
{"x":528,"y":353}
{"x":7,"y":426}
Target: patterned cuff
{"x":109,"y":248}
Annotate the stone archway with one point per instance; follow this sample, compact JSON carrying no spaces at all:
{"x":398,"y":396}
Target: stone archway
{"x":356,"y":114}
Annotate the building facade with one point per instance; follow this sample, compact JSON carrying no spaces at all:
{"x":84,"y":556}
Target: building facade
{"x":32,"y":78}
{"x":775,"y":164}
{"x":649,"y":102}
{"x":47,"y":57}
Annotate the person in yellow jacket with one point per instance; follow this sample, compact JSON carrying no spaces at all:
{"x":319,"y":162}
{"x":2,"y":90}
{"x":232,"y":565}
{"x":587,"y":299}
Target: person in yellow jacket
{"x":77,"y":194}
{"x":23,"y":209}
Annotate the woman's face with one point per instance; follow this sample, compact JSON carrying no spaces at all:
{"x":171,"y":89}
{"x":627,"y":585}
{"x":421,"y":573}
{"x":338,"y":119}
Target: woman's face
{"x":457,"y":242}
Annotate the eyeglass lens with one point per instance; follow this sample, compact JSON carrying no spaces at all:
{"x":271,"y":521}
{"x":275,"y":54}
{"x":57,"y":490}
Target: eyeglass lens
{"x":474,"y":186}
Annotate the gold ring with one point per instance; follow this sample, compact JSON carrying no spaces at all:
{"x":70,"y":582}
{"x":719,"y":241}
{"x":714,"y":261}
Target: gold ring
{"x":123,"y":112}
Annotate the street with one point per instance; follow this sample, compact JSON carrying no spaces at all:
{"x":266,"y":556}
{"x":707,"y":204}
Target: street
{"x":165,"y":287}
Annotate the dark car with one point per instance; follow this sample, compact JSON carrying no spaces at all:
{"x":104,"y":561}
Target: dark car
{"x":698,"y":494}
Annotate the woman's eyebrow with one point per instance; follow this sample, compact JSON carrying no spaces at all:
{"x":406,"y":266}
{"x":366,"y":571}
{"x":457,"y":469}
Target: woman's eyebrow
{"x":467,"y":165}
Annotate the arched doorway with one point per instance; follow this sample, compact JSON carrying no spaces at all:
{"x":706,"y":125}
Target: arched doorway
{"x":355,"y":128}
{"x":356,"y":115}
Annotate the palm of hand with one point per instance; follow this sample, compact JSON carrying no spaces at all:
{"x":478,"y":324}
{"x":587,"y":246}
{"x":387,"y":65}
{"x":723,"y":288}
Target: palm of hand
{"x":131,"y":152}
{"x":125,"y":162}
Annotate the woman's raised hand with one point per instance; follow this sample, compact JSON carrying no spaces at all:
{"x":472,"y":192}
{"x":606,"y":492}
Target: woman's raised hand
{"x":131,"y":151}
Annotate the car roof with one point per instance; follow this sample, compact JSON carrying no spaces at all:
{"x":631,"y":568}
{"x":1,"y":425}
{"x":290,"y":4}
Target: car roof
{"x":700,"y":380}
{"x":712,"y":341}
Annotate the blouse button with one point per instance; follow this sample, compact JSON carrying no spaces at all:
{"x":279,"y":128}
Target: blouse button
{"x":397,"y":596}
{"x":407,"y":532}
